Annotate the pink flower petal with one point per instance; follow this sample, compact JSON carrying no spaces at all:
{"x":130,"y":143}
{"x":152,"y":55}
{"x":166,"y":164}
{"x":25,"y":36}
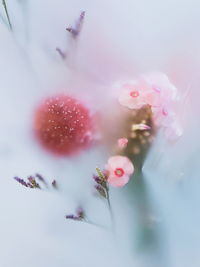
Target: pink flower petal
{"x":131,"y":95}
{"x":128,"y":167}
{"x":118,"y":182}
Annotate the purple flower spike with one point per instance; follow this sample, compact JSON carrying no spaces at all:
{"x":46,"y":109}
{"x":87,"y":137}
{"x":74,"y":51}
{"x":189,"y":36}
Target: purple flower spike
{"x":80,"y":213}
{"x":72,"y":217}
{"x":77,"y":28}
{"x":40,"y":177}
{"x":21,"y":181}
{"x":54,"y":184}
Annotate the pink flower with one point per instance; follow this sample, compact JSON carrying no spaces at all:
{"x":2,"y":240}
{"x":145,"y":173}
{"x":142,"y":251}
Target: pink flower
{"x":163,"y":116}
{"x":119,"y":169}
{"x":167,"y":119}
{"x":160,"y":90}
{"x":152,"y":89}
{"x":132,"y":95}
{"x":122,"y":142}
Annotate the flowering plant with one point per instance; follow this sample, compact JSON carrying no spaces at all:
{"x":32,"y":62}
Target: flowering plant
{"x":64,"y":125}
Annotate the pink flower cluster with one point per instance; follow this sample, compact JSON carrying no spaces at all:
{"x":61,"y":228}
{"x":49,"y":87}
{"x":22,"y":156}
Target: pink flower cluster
{"x":153,"y":89}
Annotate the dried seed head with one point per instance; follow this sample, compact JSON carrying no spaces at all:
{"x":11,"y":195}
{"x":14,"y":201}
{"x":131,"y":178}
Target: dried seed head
{"x":63,"y":125}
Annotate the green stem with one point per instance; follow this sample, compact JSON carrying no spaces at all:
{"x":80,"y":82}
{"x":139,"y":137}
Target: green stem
{"x":110,"y":208}
{"x":147,"y":237}
{"x":7,"y":14}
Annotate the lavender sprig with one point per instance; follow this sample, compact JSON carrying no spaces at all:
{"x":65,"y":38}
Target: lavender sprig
{"x":78,"y":26}
{"x":41,"y":179}
{"x":21,"y":181}
{"x":101,"y":178}
{"x":103,"y":190}
{"x":81,"y":217}
{"x":33,"y":183}
{"x":73,"y":217}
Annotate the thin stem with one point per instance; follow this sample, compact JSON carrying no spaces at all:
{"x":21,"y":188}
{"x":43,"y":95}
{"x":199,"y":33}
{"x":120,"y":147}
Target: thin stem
{"x":110,"y":208}
{"x":105,"y":187}
{"x":94,"y":224}
{"x":7,"y":15}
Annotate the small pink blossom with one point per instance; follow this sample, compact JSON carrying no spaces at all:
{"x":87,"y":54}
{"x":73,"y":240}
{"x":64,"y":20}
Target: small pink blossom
{"x":122,"y":142}
{"x":119,"y":168}
{"x":132,"y":95}
{"x":160,"y":89}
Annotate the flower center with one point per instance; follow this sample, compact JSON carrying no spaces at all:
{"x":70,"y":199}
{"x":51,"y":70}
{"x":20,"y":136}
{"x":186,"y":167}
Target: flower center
{"x":119,"y":172}
{"x":134,"y":94}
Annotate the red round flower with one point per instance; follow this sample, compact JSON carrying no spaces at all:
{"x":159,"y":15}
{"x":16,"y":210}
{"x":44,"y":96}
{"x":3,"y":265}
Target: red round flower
{"x":63,"y":125}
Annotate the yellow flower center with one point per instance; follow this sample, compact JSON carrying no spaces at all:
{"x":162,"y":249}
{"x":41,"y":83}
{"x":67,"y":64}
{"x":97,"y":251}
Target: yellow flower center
{"x":119,"y":172}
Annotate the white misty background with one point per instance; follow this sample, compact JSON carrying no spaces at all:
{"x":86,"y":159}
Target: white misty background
{"x":119,"y":39}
